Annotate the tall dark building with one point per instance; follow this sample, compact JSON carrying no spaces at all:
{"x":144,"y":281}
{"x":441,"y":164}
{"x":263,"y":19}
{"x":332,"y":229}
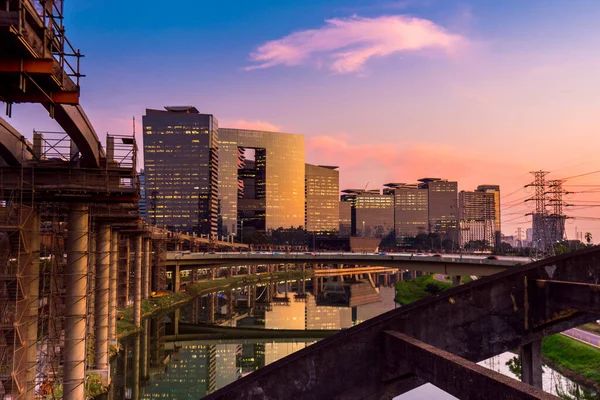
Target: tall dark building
{"x":181,"y":169}
{"x":443,"y":206}
{"x":372,"y":213}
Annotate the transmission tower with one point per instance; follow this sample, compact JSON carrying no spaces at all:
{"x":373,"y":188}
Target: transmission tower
{"x":557,"y":217}
{"x":541,"y":240}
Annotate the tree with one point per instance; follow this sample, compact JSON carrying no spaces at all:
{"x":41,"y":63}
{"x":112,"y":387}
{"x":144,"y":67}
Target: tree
{"x":588,"y":238}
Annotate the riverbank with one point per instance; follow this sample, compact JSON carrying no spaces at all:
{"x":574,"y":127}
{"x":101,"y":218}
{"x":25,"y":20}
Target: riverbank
{"x":168,"y":301}
{"x":577,"y":361}
{"x":426,"y":285}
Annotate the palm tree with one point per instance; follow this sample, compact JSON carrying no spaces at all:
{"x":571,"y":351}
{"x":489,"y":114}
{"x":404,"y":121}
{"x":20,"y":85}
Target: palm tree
{"x":588,"y":237}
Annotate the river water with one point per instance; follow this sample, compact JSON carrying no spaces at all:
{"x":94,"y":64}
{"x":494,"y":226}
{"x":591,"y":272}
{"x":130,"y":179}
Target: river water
{"x":214,"y":348}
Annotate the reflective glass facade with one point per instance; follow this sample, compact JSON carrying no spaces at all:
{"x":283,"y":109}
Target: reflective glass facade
{"x":480,"y":214}
{"x":411,"y":209}
{"x":322,"y":186}
{"x":181,"y":167}
{"x":443,"y":205}
{"x":372,"y":212}
{"x":243,"y":189}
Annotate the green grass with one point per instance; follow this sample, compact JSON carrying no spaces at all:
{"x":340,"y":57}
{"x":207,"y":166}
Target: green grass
{"x":571,"y":354}
{"x":410,"y":291}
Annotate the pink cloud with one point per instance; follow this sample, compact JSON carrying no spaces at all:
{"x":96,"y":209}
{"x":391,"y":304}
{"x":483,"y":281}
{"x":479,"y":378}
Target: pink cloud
{"x":395,"y":162}
{"x":346,"y":44}
{"x":253,"y":125}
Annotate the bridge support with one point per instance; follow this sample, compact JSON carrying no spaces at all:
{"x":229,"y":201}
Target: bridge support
{"x":76,"y":303}
{"x":102,"y":294}
{"x":112,"y":287}
{"x":31,"y":261}
{"x":456,"y":280}
{"x":531,"y":363}
{"x":146,"y":267}
{"x":176,"y":278}
{"x":144,"y":350}
{"x":137,"y":281}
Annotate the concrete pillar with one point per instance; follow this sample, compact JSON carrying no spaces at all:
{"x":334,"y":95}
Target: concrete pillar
{"x":91,"y":296}
{"x":146,"y":268}
{"x":76,"y":303}
{"x":212,"y":298}
{"x":102,"y":294}
{"x":33,"y":272}
{"x":137,"y":281}
{"x":176,"y":318}
{"x":144,"y":351}
{"x":531,"y":363}
{"x":230,"y":272}
{"x":176,"y":280}
{"x":112,"y":287}
{"x":456,"y":280}
{"x":315,"y":286}
{"x":135,"y":364}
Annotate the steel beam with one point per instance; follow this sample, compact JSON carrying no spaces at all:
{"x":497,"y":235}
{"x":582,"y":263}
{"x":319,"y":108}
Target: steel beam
{"x":76,"y":302}
{"x":102,"y":296}
{"x":406,"y":356}
{"x":32,"y":66}
{"x":79,"y":128}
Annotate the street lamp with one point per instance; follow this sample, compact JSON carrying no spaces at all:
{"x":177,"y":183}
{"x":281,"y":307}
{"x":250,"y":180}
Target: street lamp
{"x":364,"y":231}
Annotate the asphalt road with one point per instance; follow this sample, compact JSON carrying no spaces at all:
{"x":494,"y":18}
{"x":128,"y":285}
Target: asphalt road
{"x":583,"y":336}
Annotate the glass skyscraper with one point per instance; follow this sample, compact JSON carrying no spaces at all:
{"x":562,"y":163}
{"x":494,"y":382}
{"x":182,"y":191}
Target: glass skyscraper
{"x":322,"y":186}
{"x":181,"y":167}
{"x":261,"y":180}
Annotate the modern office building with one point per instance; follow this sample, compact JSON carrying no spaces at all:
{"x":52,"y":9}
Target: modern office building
{"x":372,"y":213}
{"x":261,"y":180}
{"x":322,"y":188}
{"x":479,"y":215}
{"x":411,"y":209}
{"x":443,"y":207}
{"x":181,"y":167}
{"x":345,"y":219}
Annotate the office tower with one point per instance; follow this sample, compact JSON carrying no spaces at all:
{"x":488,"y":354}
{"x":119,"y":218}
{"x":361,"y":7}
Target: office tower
{"x":181,"y":167}
{"x":372,"y":213}
{"x":443,"y":208}
{"x":345,"y":219}
{"x":322,"y":188}
{"x":261,"y":180}
{"x":411,"y":214}
{"x":479,"y":215}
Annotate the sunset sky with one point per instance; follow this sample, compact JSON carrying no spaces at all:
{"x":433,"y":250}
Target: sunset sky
{"x":481,"y":92}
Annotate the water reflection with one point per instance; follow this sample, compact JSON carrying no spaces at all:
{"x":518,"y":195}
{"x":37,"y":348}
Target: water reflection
{"x":218,"y":338}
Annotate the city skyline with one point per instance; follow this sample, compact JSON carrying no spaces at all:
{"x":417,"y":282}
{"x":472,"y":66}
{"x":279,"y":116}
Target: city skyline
{"x":479,"y":85}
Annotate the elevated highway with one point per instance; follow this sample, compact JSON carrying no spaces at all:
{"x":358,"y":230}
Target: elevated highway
{"x":455,"y":266}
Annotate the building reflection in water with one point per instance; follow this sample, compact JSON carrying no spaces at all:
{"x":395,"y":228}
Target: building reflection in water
{"x":174,"y":358}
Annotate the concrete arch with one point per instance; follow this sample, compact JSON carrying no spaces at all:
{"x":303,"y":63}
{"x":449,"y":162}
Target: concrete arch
{"x":14,"y":149}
